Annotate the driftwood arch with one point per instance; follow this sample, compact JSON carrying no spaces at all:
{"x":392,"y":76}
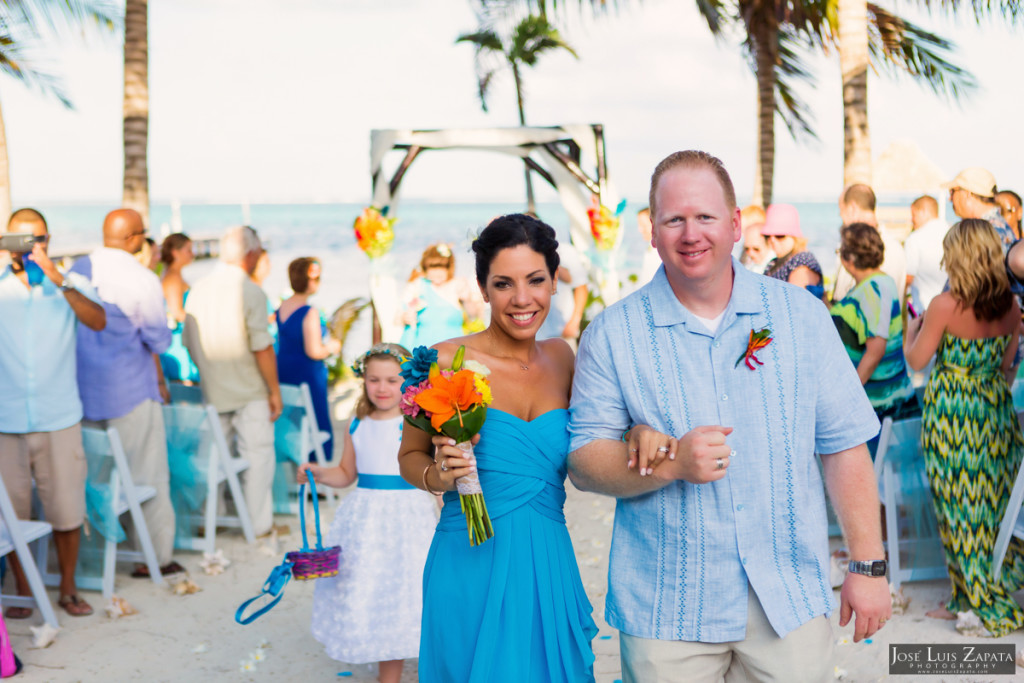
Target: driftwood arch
{"x":571,"y":158}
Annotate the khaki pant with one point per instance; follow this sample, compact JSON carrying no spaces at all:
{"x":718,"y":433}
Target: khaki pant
{"x":56,"y":460}
{"x":145,"y":447}
{"x":803,"y":656}
{"x":253,"y":434}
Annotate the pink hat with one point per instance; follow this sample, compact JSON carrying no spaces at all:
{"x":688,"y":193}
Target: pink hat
{"x":782,"y":220}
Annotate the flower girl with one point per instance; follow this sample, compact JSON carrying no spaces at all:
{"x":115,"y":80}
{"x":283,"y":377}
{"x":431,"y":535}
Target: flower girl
{"x":370,"y":611}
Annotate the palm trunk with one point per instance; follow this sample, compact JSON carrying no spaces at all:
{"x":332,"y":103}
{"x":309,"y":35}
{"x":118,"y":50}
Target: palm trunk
{"x":853,"y":60}
{"x":5,"y":176}
{"x":531,"y":205}
{"x":136,"y":107}
{"x":766,"y":40}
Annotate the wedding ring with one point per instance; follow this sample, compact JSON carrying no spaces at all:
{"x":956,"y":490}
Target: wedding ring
{"x":719,"y":464}
{"x":634,"y":450}
{"x":663,"y":449}
{"x":444,"y":465}
{"x":882,"y":621}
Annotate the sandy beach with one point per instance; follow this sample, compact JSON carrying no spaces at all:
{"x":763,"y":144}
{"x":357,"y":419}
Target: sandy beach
{"x":195,"y":638}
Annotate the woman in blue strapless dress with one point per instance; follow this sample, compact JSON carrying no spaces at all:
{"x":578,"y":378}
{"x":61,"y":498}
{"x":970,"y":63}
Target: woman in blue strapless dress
{"x":301,"y":346}
{"x":514,"y":607}
{"x":438,"y":303}
{"x":175,"y":254}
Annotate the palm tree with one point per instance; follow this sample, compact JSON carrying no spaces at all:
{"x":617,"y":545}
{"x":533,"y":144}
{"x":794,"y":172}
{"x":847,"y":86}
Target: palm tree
{"x":20,"y":21}
{"x":136,"y":107}
{"x":530,"y":38}
{"x":777,"y":33}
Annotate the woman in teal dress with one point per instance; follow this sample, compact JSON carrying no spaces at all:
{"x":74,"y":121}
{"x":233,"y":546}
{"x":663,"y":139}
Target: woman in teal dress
{"x":513,"y":608}
{"x":175,"y":254}
{"x":970,"y":436}
{"x":870,"y":325}
{"x":438,"y":304}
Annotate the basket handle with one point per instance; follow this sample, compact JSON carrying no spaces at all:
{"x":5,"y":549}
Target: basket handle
{"x":316,"y":513}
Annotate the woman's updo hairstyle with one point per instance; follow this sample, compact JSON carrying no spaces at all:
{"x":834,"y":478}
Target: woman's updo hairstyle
{"x":171,"y":244}
{"x":506,"y":232}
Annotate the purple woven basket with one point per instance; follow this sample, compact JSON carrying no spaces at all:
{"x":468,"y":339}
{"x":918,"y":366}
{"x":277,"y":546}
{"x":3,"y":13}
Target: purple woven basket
{"x":310,"y":563}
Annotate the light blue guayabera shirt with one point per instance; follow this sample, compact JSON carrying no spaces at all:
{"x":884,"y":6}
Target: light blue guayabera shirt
{"x":682,"y":556}
{"x":38,"y":389}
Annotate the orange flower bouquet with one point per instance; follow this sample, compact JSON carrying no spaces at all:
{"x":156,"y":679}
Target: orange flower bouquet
{"x":374,"y":231}
{"x":452,"y":402}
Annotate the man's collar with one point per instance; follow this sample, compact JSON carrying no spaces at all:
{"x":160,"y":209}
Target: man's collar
{"x":667,"y":310}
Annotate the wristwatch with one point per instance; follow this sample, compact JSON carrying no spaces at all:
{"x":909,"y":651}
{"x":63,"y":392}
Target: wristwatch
{"x":868,"y":568}
{"x":65,"y":285}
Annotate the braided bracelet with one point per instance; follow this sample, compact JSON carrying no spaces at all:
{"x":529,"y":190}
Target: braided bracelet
{"x":426,"y":486}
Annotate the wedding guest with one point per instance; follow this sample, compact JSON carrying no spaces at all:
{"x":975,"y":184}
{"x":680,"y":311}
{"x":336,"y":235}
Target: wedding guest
{"x":970,"y":435}
{"x":302,"y":342}
{"x":437,"y":302}
{"x":226,"y":334}
{"x":794,"y":263}
{"x":698,"y":382}
{"x":117,"y":376}
{"x":870,"y":325}
{"x":923,"y":248}
{"x":176,"y":253}
{"x":857,"y":204}
{"x":1010,"y":207}
{"x":973,"y":195}
{"x":40,"y":409}
{"x":521,"y":612}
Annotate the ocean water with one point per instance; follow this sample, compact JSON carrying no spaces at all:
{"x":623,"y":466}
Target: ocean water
{"x":325,"y":231}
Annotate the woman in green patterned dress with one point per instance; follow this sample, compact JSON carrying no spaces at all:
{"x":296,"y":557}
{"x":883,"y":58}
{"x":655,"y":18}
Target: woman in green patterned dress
{"x":970,"y":436}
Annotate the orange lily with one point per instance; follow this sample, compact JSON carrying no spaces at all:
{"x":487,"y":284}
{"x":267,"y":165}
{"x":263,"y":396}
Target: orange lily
{"x":447,"y":396}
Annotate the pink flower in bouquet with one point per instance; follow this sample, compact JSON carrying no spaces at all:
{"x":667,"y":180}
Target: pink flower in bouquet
{"x":408,"y":404}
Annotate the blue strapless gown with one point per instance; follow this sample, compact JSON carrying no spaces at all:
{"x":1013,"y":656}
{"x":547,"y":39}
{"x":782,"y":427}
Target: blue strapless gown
{"x":295,"y":367}
{"x":514,"y":608}
{"x":177,"y":364}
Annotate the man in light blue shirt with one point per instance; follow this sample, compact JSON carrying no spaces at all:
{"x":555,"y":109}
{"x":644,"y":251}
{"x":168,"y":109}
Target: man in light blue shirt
{"x":40,"y":412}
{"x":117,"y":369}
{"x":727,"y":385}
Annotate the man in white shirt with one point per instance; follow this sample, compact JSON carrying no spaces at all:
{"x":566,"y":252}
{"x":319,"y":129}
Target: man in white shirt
{"x":857,"y":205}
{"x":923,"y":249}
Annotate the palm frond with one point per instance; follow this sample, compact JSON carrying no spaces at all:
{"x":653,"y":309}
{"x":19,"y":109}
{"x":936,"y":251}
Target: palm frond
{"x":16,"y":62}
{"x":483,"y":39}
{"x":898,"y":45}
{"x":64,"y":15}
{"x":979,"y":9}
{"x":533,"y":36}
{"x":789,"y":71}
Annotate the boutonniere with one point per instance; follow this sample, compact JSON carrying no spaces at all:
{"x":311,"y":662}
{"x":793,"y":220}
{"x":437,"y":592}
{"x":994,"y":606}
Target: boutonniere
{"x":758,"y":340}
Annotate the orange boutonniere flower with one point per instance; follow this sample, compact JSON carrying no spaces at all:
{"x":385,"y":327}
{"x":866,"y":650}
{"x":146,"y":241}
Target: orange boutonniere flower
{"x":447,"y":396}
{"x":758,"y":340}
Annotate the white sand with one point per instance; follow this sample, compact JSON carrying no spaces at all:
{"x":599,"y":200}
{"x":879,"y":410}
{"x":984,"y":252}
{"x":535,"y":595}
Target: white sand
{"x":161,"y":642}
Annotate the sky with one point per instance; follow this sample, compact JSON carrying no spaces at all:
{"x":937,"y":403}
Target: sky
{"x":274,"y":101}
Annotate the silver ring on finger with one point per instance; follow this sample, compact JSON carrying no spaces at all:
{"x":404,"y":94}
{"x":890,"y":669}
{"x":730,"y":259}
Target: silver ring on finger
{"x":663,"y":449}
{"x":719,"y":464}
{"x":444,"y":465}
{"x":634,"y":450}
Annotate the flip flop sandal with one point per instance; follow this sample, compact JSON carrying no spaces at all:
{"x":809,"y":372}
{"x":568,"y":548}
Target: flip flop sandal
{"x":18,"y":613}
{"x":75,"y":606}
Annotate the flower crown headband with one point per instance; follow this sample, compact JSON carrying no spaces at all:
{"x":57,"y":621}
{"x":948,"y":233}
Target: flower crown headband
{"x":359,"y":367}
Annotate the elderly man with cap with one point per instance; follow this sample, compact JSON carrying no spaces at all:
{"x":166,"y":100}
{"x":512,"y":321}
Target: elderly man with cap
{"x":117,"y":372}
{"x":793,"y":263}
{"x":973,"y":195}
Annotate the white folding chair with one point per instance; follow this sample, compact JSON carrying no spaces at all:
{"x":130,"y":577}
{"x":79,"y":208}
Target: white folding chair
{"x":198,"y":454}
{"x":185,"y":393}
{"x":913,"y":543}
{"x":110,"y":480}
{"x":15,"y":535}
{"x":296,"y":436}
{"x":1012,"y":524}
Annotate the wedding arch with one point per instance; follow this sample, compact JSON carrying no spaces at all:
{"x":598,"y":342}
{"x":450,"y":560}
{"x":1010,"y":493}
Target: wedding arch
{"x":571,"y":158}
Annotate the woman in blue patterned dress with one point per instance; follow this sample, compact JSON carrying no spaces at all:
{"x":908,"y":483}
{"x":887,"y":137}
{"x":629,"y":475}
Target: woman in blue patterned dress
{"x":871,"y":327}
{"x":970,"y":436}
{"x":793,"y":263}
{"x":512,"y":609}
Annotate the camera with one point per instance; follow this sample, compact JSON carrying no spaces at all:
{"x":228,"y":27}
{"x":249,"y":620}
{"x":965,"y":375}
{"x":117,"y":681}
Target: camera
{"x":20,"y":242}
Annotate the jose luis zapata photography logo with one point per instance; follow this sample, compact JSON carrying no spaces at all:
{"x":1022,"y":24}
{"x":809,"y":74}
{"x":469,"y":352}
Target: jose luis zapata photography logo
{"x":966,"y":658}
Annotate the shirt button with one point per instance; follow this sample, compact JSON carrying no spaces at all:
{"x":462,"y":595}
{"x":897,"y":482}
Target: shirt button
{"x":732,"y":453}
{"x":725,"y":397}
{"x":717,"y":344}
{"x":740,"y":507}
